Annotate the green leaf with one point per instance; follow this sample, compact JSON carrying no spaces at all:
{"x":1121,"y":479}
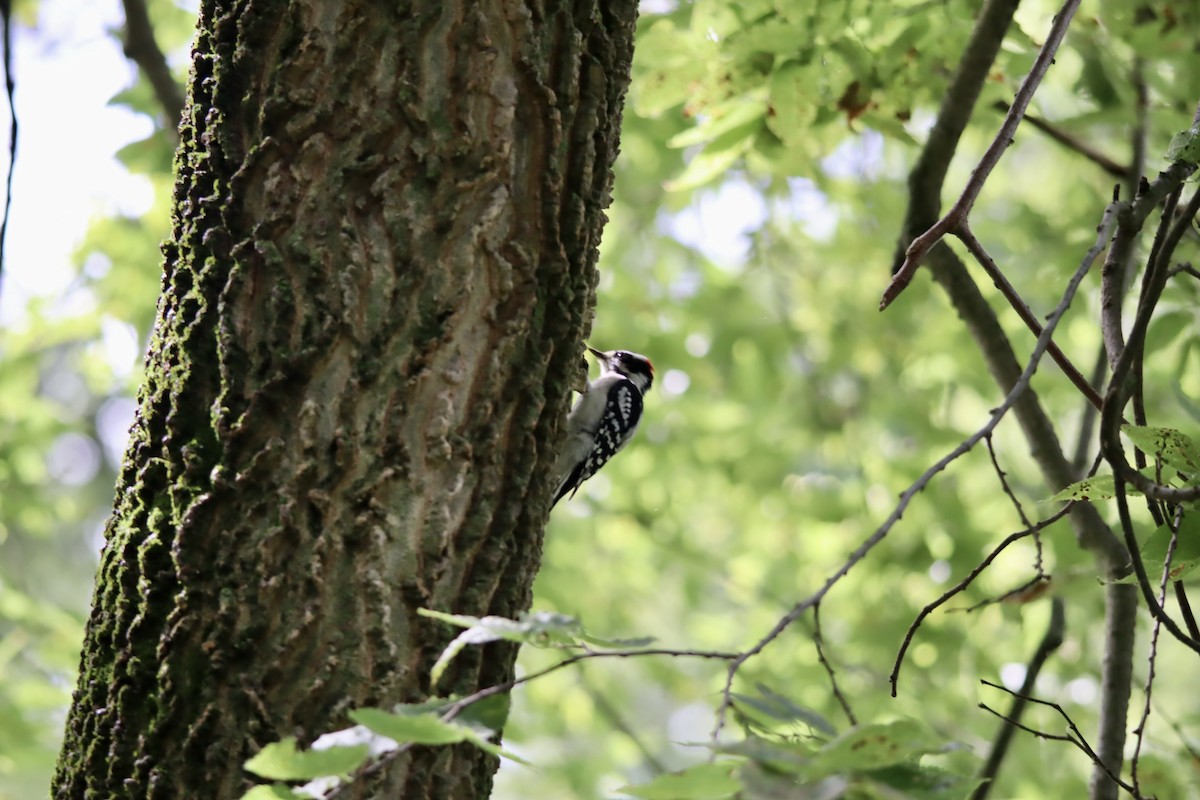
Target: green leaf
{"x":533,"y":628}
{"x":791,"y":754}
{"x":281,"y":761}
{"x":1185,"y":146}
{"x":718,"y":157}
{"x":491,"y":712}
{"x":151,"y":155}
{"x":415,"y":728}
{"x":427,"y":729}
{"x":275,"y":791}
{"x":721,"y":120}
{"x":1166,"y":327}
{"x":794,"y":103}
{"x":541,"y":629}
{"x":1187,"y":548}
{"x":1174,"y":448}
{"x":480,"y":740}
{"x":1098,"y":487}
{"x":664,"y":80}
{"x":916,"y":782}
{"x":695,"y":783}
{"x":876,"y":745}
{"x":777,"y":707}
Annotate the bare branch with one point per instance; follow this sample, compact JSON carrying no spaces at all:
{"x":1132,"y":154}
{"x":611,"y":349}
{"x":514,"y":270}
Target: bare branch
{"x":1185,"y":609}
{"x":929,"y":174}
{"x":959,"y":587}
{"x":1027,"y":316}
{"x":1051,"y":641}
{"x":818,"y":640}
{"x":455,"y":708}
{"x":1071,"y":143}
{"x":1183,"y":269}
{"x":955,"y":219}
{"x":1074,"y":737}
{"x":1116,"y":679}
{"x":9,"y":89}
{"x":1017,"y":390}
{"x":1152,"y":660}
{"x":1139,"y":568}
{"x":1002,"y":476}
{"x":1125,"y":355}
{"x":143,"y":50}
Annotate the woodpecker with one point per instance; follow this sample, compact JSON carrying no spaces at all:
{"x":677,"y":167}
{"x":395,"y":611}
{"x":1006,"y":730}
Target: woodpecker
{"x":605,"y":417}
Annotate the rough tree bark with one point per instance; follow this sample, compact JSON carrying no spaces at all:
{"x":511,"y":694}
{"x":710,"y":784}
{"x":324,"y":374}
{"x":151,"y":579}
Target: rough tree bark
{"x":382,"y":266}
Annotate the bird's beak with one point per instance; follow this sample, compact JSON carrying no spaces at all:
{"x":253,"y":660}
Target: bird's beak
{"x":598,"y":354}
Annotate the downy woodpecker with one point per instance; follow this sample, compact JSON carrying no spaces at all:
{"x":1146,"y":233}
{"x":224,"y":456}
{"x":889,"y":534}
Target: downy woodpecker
{"x":605,"y":417}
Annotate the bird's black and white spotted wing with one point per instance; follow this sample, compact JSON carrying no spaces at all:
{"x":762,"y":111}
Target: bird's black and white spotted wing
{"x":622,"y":413}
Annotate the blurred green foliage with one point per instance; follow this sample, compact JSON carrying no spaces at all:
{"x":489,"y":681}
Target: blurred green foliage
{"x":757,"y":203}
{"x":759,"y":197}
{"x":66,"y":394}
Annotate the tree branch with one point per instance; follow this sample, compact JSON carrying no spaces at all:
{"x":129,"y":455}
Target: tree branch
{"x":1116,"y":680}
{"x":1077,"y":739}
{"x":955,"y":219}
{"x":1152,"y":660}
{"x":961,"y":586}
{"x":1019,"y":388}
{"x":143,"y":50}
{"x":1139,"y":568}
{"x":1071,"y":143}
{"x":948,"y":271}
{"x":929,"y":174}
{"x":1124,"y":355}
{"x":10,"y":87}
{"x":818,"y":640}
{"x":1051,"y":641}
{"x":1026,"y":314}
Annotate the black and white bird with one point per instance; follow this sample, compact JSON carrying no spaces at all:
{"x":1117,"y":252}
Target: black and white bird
{"x":605,"y":417}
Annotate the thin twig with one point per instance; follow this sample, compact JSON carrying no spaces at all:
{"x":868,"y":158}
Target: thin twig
{"x":1078,"y":739}
{"x":955,"y":219}
{"x":1183,"y":269}
{"x":928,"y":175}
{"x":961,"y":586}
{"x":1140,"y":730}
{"x":1023,"y":592}
{"x":1051,"y":641}
{"x":1039,"y":571}
{"x":1003,"y":478}
{"x":1071,"y":143}
{"x":1139,"y":568}
{"x":818,"y":640}
{"x":1026,"y":314}
{"x":1125,"y":353}
{"x":1018,"y":388}
{"x":10,"y":87}
{"x":456,"y":707}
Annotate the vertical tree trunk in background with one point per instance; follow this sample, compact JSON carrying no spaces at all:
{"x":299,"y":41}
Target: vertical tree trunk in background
{"x":381,"y":269}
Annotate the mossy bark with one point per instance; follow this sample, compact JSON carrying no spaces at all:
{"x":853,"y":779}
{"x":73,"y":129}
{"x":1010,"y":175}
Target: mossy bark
{"x":381,"y":270}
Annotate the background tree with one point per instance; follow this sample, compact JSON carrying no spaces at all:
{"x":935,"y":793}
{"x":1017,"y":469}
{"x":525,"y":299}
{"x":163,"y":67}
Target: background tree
{"x":771,"y":157}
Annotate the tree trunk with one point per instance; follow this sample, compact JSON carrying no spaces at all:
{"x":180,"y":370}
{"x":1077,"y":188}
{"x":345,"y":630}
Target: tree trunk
{"x":381,"y":270}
